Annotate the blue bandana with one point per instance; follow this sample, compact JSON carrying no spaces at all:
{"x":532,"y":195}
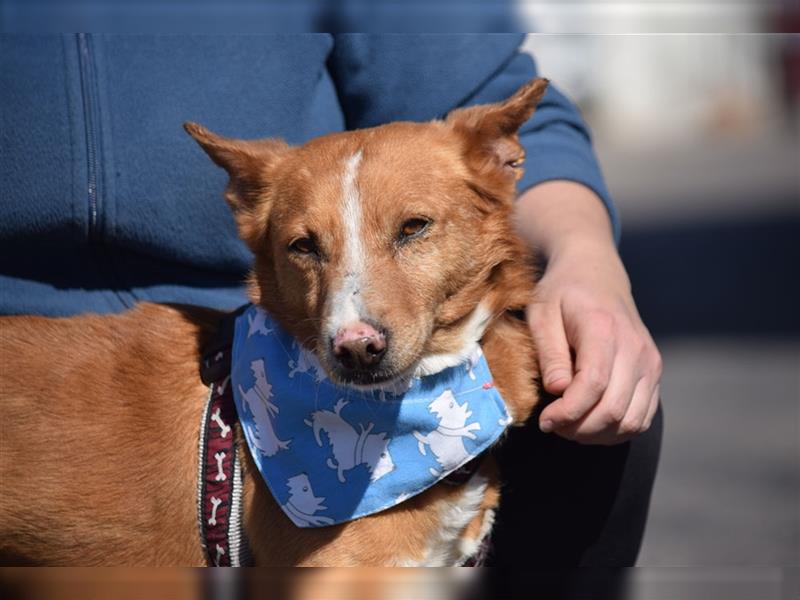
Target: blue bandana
{"x":330,"y":454}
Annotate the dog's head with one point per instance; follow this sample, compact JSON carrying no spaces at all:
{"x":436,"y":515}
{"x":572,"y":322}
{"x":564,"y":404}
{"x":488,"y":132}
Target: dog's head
{"x":376,"y":454}
{"x":384,"y":250}
{"x":302,"y":496}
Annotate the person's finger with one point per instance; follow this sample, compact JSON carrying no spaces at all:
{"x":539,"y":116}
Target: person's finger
{"x":594,"y":357}
{"x":637,"y":411}
{"x":555,"y":361}
{"x":651,"y":412}
{"x":608,"y":413}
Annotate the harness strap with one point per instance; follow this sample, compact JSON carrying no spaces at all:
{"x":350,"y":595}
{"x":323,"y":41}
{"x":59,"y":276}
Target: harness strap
{"x":219,"y":481}
{"x":216,"y":361}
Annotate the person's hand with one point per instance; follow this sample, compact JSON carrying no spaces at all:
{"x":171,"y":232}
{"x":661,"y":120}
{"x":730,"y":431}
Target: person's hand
{"x":609,"y":391}
{"x":595,"y":354}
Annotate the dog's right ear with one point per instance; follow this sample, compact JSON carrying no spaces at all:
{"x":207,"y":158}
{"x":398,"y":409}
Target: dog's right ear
{"x":249,"y":164}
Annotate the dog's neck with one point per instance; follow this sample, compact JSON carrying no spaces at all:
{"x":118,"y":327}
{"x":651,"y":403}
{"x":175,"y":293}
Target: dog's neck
{"x":471,"y":334}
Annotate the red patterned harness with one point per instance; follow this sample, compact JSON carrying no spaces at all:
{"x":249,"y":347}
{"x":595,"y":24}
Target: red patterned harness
{"x":220,"y":476}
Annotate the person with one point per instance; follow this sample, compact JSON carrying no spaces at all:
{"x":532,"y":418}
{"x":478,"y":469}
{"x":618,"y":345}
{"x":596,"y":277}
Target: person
{"x":106,"y":203}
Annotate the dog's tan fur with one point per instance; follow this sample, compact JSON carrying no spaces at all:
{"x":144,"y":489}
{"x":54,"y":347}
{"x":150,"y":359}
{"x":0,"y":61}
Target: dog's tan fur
{"x":98,"y":453}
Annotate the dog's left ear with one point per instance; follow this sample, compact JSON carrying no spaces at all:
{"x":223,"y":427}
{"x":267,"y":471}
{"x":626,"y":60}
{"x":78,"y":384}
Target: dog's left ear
{"x":490,"y":132}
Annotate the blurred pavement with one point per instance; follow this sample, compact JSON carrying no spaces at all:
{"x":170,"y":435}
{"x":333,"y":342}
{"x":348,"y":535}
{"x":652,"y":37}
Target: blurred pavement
{"x":728,"y":489}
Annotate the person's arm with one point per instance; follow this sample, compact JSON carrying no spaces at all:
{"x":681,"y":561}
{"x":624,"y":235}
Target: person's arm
{"x":594,"y":351}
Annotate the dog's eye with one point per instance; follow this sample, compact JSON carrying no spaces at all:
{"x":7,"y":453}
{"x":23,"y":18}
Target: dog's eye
{"x":304,"y":246}
{"x":413,"y":227}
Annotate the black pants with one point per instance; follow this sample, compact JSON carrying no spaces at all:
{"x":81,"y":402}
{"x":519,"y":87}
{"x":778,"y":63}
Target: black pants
{"x":566,"y":505}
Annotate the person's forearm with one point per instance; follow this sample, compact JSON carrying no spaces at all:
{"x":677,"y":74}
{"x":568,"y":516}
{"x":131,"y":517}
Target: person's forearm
{"x":563,"y":217}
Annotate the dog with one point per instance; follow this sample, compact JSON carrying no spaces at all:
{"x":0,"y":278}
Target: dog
{"x":350,"y":447}
{"x":305,"y":363}
{"x":387,"y":252}
{"x":447,"y":441}
{"x":302,"y":503}
{"x":260,"y":405}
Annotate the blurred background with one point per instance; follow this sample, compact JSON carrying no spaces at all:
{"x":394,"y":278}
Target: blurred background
{"x":699,"y":137}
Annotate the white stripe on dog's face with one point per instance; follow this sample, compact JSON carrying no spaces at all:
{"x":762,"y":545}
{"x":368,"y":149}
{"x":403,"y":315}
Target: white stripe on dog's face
{"x":345,"y":306}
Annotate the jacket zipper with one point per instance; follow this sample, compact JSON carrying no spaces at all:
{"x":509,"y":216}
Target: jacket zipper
{"x":90,"y":120}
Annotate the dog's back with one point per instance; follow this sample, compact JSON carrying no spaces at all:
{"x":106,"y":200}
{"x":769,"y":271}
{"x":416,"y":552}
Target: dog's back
{"x":79,"y":479}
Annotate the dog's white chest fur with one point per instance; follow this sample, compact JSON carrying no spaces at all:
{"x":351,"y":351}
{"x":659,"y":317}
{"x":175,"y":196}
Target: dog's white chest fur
{"x":447,"y":546}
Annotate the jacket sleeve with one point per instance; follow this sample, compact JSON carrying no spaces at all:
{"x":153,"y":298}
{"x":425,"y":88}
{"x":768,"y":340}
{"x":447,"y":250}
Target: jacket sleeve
{"x":382,"y":78}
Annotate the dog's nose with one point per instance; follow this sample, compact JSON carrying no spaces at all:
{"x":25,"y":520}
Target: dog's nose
{"x":359,"y":346}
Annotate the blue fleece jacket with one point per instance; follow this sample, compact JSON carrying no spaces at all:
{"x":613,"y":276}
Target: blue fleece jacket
{"x":105,"y":201}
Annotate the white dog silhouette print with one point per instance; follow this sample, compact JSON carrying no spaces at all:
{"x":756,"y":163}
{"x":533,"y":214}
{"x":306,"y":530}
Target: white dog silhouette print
{"x":307,"y":363}
{"x":302,"y":504}
{"x":447,"y":441}
{"x":257,"y":323}
{"x":257,"y":399}
{"x":352,"y":448}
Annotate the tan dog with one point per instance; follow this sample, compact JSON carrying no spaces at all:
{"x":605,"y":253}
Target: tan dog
{"x":387,"y":252}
